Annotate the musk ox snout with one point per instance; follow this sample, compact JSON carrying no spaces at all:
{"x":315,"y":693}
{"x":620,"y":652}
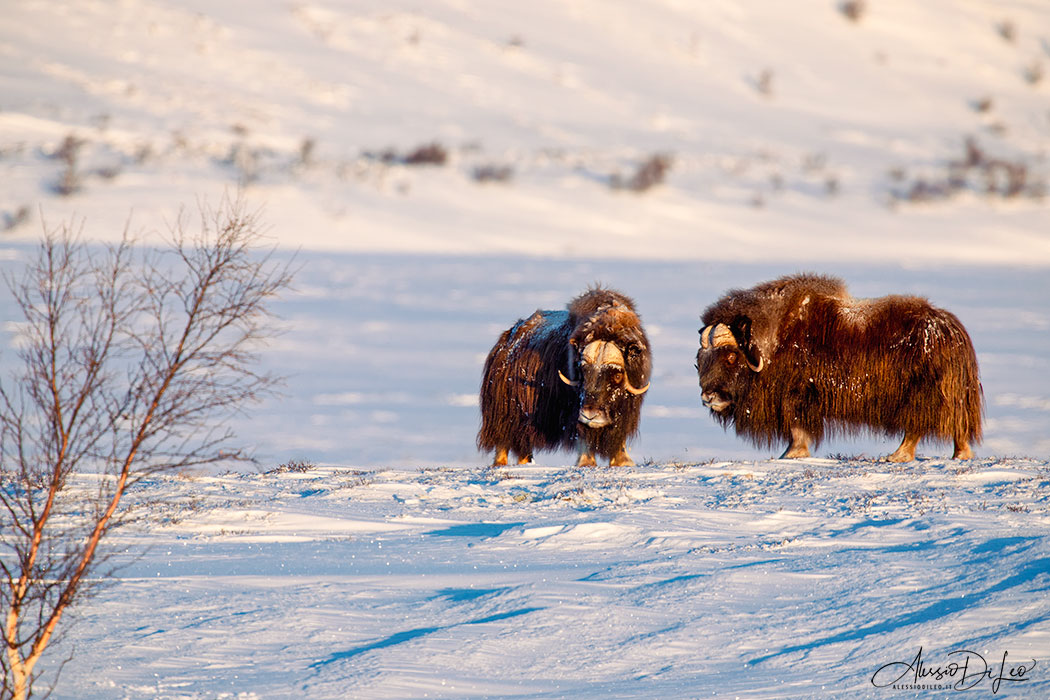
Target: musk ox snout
{"x":594,"y":417}
{"x":715,"y":401}
{"x":723,"y":370}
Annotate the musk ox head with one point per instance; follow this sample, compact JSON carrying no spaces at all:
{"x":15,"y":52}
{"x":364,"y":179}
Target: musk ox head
{"x":727,"y":363}
{"x":609,"y":364}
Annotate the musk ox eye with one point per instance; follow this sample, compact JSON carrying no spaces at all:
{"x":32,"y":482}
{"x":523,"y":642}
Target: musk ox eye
{"x":617,"y":377}
{"x":731,"y":358}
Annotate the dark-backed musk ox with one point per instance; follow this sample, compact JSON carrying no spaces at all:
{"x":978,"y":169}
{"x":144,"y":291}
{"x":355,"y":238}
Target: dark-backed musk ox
{"x":791,"y":359}
{"x":559,"y":378}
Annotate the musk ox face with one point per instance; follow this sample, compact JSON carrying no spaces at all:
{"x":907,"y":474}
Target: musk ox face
{"x":725,"y":367}
{"x":603,"y":381}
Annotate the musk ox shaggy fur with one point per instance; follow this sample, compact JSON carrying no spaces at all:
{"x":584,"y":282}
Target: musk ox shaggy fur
{"x":798,"y":357}
{"x":563,"y":378}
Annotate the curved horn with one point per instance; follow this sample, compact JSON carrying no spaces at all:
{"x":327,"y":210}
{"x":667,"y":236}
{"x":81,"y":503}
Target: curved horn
{"x":569,"y":366}
{"x":628,"y":387}
{"x":716,"y":336}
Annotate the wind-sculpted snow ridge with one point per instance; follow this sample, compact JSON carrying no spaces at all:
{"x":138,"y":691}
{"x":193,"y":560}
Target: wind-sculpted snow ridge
{"x":771,"y":579}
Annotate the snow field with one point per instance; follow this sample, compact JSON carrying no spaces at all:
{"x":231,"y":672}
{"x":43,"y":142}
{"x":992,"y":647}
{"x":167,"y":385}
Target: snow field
{"x":775,"y":579}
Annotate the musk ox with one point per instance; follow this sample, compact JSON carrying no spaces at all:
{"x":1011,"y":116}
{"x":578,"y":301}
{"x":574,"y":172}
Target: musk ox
{"x":791,"y":359}
{"x":559,"y":378}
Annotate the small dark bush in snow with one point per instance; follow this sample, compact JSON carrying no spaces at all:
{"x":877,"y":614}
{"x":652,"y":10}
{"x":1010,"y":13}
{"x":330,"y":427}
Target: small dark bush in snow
{"x":69,"y":182}
{"x":853,"y":9}
{"x":978,"y":172}
{"x":429,"y":154}
{"x":650,"y":173}
{"x":1007,"y":30}
{"x":493,"y":173}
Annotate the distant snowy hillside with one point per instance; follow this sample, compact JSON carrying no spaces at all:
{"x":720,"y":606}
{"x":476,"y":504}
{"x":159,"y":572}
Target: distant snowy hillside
{"x":793,"y":131}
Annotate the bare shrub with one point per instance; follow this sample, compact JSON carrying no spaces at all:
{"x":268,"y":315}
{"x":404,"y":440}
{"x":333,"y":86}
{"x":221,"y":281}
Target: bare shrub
{"x":764,"y":83}
{"x":387,"y":156}
{"x":245,"y":160}
{"x":294,"y":466}
{"x":14,"y":220}
{"x":853,"y":10}
{"x":428,"y":154}
{"x":493,"y":173}
{"x":69,"y":182}
{"x":650,"y":173}
{"x":814,"y":162}
{"x":129,"y":364}
{"x":977,"y":171}
{"x":982,"y":105}
{"x":307,"y":148}
{"x":1034,"y":73}
{"x":832,"y":186}
{"x":1007,"y":30}
{"x":143,"y":153}
{"x":108,"y":172}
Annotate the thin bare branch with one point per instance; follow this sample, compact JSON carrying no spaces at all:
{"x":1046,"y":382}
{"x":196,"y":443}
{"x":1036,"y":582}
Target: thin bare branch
{"x":130,"y":363}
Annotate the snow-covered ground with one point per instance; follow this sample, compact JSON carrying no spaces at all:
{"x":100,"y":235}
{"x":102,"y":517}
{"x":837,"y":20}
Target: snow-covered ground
{"x":906,"y":151}
{"x":770,"y":579}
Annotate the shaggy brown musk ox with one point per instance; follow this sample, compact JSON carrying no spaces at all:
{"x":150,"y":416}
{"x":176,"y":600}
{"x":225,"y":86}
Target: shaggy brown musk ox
{"x":559,"y":378}
{"x":791,"y":359}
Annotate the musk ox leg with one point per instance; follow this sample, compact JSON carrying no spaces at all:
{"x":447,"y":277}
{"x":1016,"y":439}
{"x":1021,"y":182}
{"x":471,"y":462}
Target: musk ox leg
{"x":500,"y":459}
{"x":586,"y":460}
{"x":799,"y":446}
{"x":962,"y":449}
{"x":906,"y":452}
{"x":621,"y":459}
{"x":525,"y":458}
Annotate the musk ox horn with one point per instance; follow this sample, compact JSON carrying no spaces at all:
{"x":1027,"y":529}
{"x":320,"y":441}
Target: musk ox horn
{"x":603,"y":352}
{"x":566,"y":379}
{"x":628,"y":387}
{"x":718,"y":336}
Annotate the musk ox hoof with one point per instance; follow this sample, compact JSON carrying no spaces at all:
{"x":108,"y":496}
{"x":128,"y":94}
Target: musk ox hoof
{"x":962,"y":451}
{"x":586,"y":460}
{"x":621,"y":459}
{"x":500,"y":460}
{"x":906,"y":452}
